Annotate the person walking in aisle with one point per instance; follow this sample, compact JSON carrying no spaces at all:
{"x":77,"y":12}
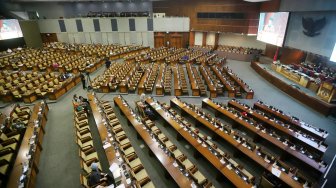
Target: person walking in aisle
{"x":83,"y":80}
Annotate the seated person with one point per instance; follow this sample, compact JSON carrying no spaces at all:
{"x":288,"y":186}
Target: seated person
{"x":96,"y":177}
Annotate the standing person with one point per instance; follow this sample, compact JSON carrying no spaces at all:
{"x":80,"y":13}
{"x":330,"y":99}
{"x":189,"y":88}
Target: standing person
{"x":107,"y":63}
{"x":83,"y":80}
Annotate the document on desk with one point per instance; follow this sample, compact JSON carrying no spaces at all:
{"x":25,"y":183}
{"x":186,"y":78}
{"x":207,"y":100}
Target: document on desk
{"x":276,"y":172}
{"x":107,"y":145}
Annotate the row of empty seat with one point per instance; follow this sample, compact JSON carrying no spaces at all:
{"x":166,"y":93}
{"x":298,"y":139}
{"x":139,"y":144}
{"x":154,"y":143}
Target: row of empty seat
{"x":307,"y":159}
{"x":28,"y":86}
{"x":222,"y":161}
{"x":261,"y":155}
{"x":112,"y":133}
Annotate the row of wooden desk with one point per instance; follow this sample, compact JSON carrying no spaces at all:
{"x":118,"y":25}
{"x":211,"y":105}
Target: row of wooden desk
{"x":165,"y":160}
{"x":211,"y":83}
{"x":32,"y":140}
{"x":298,"y":124}
{"x":248,"y":148}
{"x":249,"y":92}
{"x":104,"y":134}
{"x":311,"y":143}
{"x":309,"y":161}
{"x":206,"y":153}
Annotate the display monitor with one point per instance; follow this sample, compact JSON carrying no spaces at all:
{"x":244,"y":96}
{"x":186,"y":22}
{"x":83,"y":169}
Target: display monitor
{"x":272,"y":27}
{"x":10,"y":29}
{"x":333,"y":54}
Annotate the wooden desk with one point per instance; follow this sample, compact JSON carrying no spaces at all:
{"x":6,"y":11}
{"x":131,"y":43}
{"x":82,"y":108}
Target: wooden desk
{"x":231,"y":175}
{"x":208,"y":81}
{"x":194,"y":86}
{"x":177,"y":86}
{"x":243,"y":85}
{"x":141,"y":85}
{"x":104,"y":135}
{"x":313,"y":131}
{"x":166,"y":161}
{"x":228,"y":136}
{"x":310,"y":162}
{"x":123,"y":87}
{"x":229,"y":88}
{"x":159,"y":81}
{"x":39,"y":114}
{"x":320,"y":149}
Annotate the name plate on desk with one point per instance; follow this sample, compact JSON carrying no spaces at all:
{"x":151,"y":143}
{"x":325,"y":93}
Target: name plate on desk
{"x":276,"y":172}
{"x":105,"y":146}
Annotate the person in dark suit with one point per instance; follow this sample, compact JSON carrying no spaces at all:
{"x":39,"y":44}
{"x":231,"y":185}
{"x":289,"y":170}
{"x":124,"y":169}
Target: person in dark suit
{"x":82,"y":76}
{"x":96,"y":177}
{"x":107,"y":63}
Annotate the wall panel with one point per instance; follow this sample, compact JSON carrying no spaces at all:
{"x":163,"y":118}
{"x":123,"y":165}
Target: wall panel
{"x":79,"y":38}
{"x":63,"y":37}
{"x":240,"y":40}
{"x":198,"y":38}
{"x":123,"y":25}
{"x":141,"y":24}
{"x":210,"y":39}
{"x":96,"y":37}
{"x":87,"y":25}
{"x":49,"y":26}
{"x":190,"y":9}
{"x":127,"y":38}
{"x":70,"y":25}
{"x":150,"y":39}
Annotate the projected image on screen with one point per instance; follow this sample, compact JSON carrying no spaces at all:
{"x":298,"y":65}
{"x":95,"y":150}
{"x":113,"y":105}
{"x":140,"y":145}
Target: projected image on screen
{"x":333,"y":55}
{"x":10,"y":29}
{"x":272,"y":27}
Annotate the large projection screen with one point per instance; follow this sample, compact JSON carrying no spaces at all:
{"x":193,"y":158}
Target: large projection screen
{"x":272,"y":27}
{"x":10,"y":29}
{"x":333,"y":55}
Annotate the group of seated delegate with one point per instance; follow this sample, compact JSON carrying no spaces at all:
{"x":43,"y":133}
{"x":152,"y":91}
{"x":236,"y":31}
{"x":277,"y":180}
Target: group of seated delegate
{"x":322,"y":73}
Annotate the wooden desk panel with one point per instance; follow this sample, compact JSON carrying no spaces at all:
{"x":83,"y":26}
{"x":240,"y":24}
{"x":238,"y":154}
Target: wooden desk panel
{"x":232,"y":176}
{"x":159,"y":81}
{"x":141,"y":85}
{"x":177,"y":87}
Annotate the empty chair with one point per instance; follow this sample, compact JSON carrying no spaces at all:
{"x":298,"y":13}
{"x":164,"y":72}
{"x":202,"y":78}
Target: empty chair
{"x":197,"y":176}
{"x":140,"y":175}
{"x":12,"y":135}
{"x":88,"y":155}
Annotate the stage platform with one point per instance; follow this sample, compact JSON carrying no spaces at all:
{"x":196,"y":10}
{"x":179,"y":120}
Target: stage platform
{"x":293,"y":89}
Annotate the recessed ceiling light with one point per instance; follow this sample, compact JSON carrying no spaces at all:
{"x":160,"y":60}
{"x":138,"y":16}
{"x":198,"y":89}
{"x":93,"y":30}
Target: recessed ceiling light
{"x":255,"y":1}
